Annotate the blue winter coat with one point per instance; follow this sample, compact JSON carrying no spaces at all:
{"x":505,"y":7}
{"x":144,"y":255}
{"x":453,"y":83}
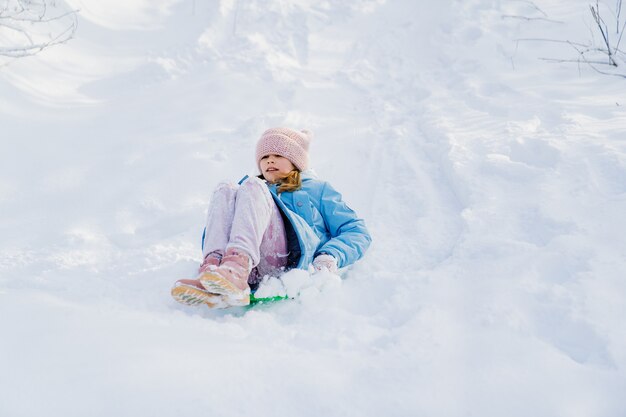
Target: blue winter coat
{"x":319,"y":221}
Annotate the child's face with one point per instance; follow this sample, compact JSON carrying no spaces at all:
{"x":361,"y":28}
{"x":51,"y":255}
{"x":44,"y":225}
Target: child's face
{"x":275,"y":167}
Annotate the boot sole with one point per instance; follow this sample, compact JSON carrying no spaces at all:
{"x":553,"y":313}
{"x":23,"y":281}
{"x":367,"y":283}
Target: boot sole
{"x":216,"y":284}
{"x":193,"y":296}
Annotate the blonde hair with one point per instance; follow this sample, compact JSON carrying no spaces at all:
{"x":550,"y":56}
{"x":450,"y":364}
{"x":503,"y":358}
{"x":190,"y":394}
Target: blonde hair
{"x":292,"y":182}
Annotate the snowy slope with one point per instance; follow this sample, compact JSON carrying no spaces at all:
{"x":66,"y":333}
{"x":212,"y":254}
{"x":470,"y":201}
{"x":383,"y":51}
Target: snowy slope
{"x":494,"y":184}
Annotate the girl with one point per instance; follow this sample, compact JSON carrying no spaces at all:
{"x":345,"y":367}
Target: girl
{"x":284,"y":218}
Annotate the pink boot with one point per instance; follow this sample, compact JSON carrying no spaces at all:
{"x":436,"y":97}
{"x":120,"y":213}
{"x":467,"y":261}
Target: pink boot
{"x":230,"y":278}
{"x":211,"y":261}
{"x":191,"y":292}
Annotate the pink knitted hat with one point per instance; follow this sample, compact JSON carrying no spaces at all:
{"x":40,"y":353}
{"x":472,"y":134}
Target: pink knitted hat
{"x":283,"y":141}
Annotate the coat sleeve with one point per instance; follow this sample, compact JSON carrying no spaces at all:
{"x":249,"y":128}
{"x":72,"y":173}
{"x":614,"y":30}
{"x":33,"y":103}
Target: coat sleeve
{"x":349,"y":236}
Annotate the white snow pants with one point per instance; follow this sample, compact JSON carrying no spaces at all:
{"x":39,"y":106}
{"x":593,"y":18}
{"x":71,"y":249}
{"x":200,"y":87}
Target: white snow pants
{"x":245,"y":217}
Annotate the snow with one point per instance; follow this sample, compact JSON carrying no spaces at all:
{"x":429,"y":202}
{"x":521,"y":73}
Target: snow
{"x":493,"y":182}
{"x":299,"y":284}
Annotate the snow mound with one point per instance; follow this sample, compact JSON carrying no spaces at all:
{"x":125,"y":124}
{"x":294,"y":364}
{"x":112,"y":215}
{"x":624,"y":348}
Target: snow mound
{"x":297,"y":283}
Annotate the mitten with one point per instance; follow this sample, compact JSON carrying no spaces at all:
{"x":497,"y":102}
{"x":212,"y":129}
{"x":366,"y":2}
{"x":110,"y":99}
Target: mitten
{"x":325,"y":262}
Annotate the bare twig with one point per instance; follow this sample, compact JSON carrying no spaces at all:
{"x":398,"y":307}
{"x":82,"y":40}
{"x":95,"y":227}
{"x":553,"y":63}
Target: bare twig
{"x":588,"y":54}
{"x":595,"y":12}
{"x":603,"y":72}
{"x":618,"y":12}
{"x":37,"y":19}
{"x":560,"y":60}
{"x":511,"y":16}
{"x":591,"y":64}
{"x":546,"y":40}
{"x":619,"y":40}
{"x":35,"y":23}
